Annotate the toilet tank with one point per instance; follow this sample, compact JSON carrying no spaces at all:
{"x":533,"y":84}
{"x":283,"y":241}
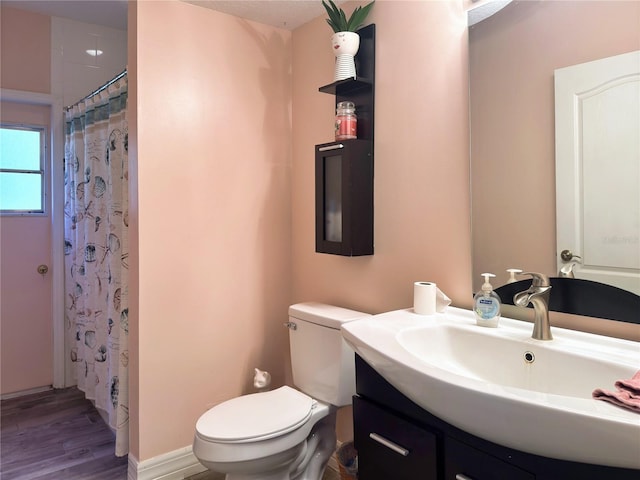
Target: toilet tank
{"x":322,"y":362}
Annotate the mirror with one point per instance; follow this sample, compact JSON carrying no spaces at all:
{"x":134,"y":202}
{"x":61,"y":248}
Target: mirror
{"x":513,"y":56}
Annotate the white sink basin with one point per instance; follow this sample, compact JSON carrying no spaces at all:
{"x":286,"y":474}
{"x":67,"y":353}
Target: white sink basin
{"x":501,"y":385}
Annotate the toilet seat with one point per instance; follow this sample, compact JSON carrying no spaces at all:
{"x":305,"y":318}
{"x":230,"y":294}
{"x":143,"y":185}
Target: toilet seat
{"x":256,"y":417}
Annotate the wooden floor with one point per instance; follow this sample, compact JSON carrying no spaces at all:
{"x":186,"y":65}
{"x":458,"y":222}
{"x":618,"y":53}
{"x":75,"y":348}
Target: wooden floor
{"x":59,"y":435}
{"x":56,"y":435}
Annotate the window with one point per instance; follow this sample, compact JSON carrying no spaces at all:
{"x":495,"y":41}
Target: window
{"x":22,"y":174}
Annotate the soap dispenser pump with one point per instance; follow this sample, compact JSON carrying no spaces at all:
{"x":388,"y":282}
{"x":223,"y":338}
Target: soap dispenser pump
{"x":486,"y":304}
{"x":512,"y":274}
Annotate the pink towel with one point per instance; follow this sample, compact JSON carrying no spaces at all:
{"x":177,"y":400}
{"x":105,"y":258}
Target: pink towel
{"x":626,"y":396}
{"x":632,"y":385}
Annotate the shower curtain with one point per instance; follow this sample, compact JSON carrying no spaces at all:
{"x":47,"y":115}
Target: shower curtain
{"x":96,"y":251}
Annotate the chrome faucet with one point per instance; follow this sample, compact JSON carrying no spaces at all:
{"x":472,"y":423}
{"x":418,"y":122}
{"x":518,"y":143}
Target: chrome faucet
{"x":538,"y":295}
{"x":570,"y":261}
{"x":567,"y":270}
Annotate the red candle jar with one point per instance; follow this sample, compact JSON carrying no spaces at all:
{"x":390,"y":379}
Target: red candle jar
{"x":346,"y":121}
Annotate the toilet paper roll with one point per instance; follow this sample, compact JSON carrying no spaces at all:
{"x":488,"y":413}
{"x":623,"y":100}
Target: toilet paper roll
{"x":424,"y":298}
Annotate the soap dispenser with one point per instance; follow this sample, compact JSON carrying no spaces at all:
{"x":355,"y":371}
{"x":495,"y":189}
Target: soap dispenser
{"x":486,"y":304}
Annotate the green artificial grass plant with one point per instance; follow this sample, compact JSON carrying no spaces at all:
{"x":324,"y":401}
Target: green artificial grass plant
{"x":338,"y":20}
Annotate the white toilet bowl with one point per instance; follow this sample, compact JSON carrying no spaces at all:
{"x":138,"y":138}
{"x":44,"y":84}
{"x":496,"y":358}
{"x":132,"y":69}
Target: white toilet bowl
{"x":286,"y":434}
{"x":278,"y":435}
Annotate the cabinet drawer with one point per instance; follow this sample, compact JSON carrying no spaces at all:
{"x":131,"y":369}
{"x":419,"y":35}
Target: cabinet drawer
{"x":463,"y":462}
{"x":389,"y":447}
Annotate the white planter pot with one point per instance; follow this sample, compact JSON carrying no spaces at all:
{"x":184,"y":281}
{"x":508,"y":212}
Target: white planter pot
{"x":345,"y":46}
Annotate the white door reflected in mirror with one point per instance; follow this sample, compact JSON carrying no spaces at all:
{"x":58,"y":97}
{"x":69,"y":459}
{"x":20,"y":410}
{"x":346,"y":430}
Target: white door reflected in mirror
{"x":598,"y":169}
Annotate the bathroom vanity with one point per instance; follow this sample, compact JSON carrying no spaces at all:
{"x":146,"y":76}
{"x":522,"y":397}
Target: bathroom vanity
{"x":397,"y":439}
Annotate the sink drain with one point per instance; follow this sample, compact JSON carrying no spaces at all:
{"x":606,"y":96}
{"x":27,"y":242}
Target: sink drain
{"x":529,"y":357}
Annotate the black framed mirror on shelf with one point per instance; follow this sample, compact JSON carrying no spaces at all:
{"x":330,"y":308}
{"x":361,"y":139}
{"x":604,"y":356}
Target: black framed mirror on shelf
{"x":344,"y":169}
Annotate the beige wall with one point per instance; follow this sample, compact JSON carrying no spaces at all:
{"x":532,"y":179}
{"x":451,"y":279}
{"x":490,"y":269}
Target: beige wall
{"x":421,"y":190}
{"x":212,"y":214}
{"x":512,"y":58}
{"x":25,"y":49}
{"x":215,"y":255}
{"x":421,"y":159}
{"x":134,"y":221}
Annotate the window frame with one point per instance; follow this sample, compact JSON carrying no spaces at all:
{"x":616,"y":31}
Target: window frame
{"x":43,"y":171}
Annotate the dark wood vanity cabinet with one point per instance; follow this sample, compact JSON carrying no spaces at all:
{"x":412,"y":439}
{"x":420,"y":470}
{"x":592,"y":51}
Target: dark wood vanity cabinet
{"x":465,"y":462}
{"x":397,"y":440}
{"x":390,"y":447}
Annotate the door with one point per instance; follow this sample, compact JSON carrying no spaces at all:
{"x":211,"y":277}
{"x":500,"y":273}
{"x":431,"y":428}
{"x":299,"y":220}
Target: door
{"x":598,"y":169}
{"x":25,"y":289}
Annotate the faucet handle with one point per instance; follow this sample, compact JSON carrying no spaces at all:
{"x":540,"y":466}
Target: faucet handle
{"x":539,"y":279}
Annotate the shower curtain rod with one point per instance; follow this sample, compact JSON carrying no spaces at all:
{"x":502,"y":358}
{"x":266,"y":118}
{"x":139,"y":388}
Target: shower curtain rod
{"x":103,"y":87}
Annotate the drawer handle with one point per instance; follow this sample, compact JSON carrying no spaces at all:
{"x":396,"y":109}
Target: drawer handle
{"x":336,"y":146}
{"x":461,"y":476}
{"x":389,"y":444}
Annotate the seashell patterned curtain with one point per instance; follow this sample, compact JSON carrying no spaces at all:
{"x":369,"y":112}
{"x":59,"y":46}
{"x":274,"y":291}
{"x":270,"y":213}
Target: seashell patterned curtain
{"x":96,"y":252}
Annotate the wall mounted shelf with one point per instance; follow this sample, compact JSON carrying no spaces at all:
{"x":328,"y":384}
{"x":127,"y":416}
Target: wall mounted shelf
{"x":344,"y":169}
{"x":349,"y":86}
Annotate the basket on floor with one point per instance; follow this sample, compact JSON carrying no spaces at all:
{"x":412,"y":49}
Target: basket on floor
{"x":347,"y":461}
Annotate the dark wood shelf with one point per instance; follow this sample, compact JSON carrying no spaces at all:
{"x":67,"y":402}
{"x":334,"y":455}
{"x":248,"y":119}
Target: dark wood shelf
{"x":347,"y":87}
{"x":344,"y":169}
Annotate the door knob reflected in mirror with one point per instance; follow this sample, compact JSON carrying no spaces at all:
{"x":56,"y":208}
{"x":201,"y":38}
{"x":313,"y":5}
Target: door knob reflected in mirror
{"x":567,"y":255}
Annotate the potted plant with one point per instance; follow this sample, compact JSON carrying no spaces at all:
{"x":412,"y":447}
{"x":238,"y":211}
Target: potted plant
{"x":345,"y":40}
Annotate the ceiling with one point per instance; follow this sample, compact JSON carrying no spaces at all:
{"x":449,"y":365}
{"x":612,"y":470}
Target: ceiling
{"x":287,"y":14}
{"x":109,"y":13}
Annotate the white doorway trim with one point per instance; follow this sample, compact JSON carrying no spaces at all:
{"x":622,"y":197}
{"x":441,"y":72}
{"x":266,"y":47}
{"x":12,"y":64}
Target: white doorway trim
{"x":60,"y":377}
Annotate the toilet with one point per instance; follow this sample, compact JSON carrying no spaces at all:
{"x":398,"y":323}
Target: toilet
{"x":286,"y":433}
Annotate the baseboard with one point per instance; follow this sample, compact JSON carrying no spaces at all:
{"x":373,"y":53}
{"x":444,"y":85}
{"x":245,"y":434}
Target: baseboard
{"x":22,"y":393}
{"x":175,"y":465}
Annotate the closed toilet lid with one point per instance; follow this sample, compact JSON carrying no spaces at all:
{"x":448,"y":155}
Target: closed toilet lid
{"x":258,"y":416}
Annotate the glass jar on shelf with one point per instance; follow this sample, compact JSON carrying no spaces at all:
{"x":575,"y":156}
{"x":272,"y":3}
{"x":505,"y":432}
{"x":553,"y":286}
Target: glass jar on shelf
{"x":346,"y":121}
